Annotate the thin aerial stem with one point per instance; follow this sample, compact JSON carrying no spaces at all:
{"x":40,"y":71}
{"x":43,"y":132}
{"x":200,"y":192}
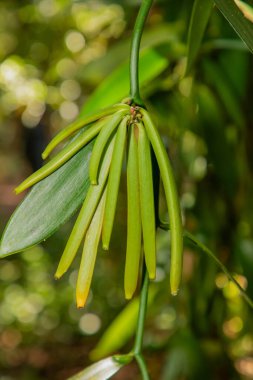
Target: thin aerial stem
{"x":137,"y":350}
{"x":203,"y":248}
{"x":142,"y":315}
{"x":142,"y":366}
{"x":135,"y":50}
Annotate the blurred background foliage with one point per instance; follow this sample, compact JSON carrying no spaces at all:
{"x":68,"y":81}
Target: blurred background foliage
{"x":54,"y":54}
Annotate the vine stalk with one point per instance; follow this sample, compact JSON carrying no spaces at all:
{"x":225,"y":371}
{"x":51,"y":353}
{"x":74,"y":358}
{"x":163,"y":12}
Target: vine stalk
{"x":135,"y":51}
{"x":136,"y":99}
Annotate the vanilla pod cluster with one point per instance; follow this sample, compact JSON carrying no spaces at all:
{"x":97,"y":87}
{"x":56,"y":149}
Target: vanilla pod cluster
{"x":117,"y":129}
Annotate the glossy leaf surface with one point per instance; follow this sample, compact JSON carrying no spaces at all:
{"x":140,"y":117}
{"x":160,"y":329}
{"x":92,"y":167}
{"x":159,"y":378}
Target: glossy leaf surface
{"x":242,"y":26}
{"x":48,"y":205}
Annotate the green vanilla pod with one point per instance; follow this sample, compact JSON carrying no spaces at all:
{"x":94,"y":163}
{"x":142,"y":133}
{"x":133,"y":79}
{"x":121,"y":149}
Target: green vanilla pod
{"x":172,"y":200}
{"x":80,"y":123}
{"x":133,"y":249}
{"x":89,"y":254}
{"x":147,"y":201}
{"x":63,"y":156}
{"x":100,"y":144}
{"x":85,"y":215}
{"x":113,"y":182}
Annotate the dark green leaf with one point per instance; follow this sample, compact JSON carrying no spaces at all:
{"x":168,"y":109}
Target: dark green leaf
{"x":199,"y":18}
{"x":242,"y":26}
{"x":48,"y":205}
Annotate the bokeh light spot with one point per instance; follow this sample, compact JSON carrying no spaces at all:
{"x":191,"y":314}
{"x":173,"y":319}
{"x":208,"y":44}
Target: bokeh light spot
{"x":89,"y":323}
{"x":68,"y":110}
{"x":74,"y":41}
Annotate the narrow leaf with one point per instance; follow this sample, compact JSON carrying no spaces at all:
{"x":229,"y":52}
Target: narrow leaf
{"x":238,"y":21}
{"x":201,"y":12}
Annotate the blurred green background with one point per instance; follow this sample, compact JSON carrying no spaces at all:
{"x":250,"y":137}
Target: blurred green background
{"x":54,"y":54}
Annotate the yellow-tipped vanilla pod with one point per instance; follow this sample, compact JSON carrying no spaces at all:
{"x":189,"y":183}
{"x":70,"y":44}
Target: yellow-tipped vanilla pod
{"x":89,"y":254}
{"x":85,"y":216}
{"x":113,"y":127}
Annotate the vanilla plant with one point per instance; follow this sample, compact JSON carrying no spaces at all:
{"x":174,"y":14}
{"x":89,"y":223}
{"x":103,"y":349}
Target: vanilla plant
{"x":122,"y":127}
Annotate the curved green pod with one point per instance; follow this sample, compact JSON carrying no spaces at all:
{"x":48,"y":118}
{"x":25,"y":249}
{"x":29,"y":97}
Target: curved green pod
{"x":63,"y":156}
{"x":172,"y":202}
{"x":113,"y":183}
{"x":80,"y":123}
{"x":85,"y":215}
{"x":133,"y":249}
{"x":100,"y":144}
{"x":89,"y":254}
{"x":147,"y":201}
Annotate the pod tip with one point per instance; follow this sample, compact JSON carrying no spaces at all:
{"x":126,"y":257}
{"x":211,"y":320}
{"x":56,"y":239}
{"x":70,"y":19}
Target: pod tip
{"x":128,"y":295}
{"x":152,"y":276}
{"x":80,"y":302}
{"x":174,"y":292}
{"x":18,"y":190}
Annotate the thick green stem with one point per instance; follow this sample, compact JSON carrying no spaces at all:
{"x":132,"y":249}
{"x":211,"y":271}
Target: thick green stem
{"x":140,"y":328}
{"x":135,"y":49}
